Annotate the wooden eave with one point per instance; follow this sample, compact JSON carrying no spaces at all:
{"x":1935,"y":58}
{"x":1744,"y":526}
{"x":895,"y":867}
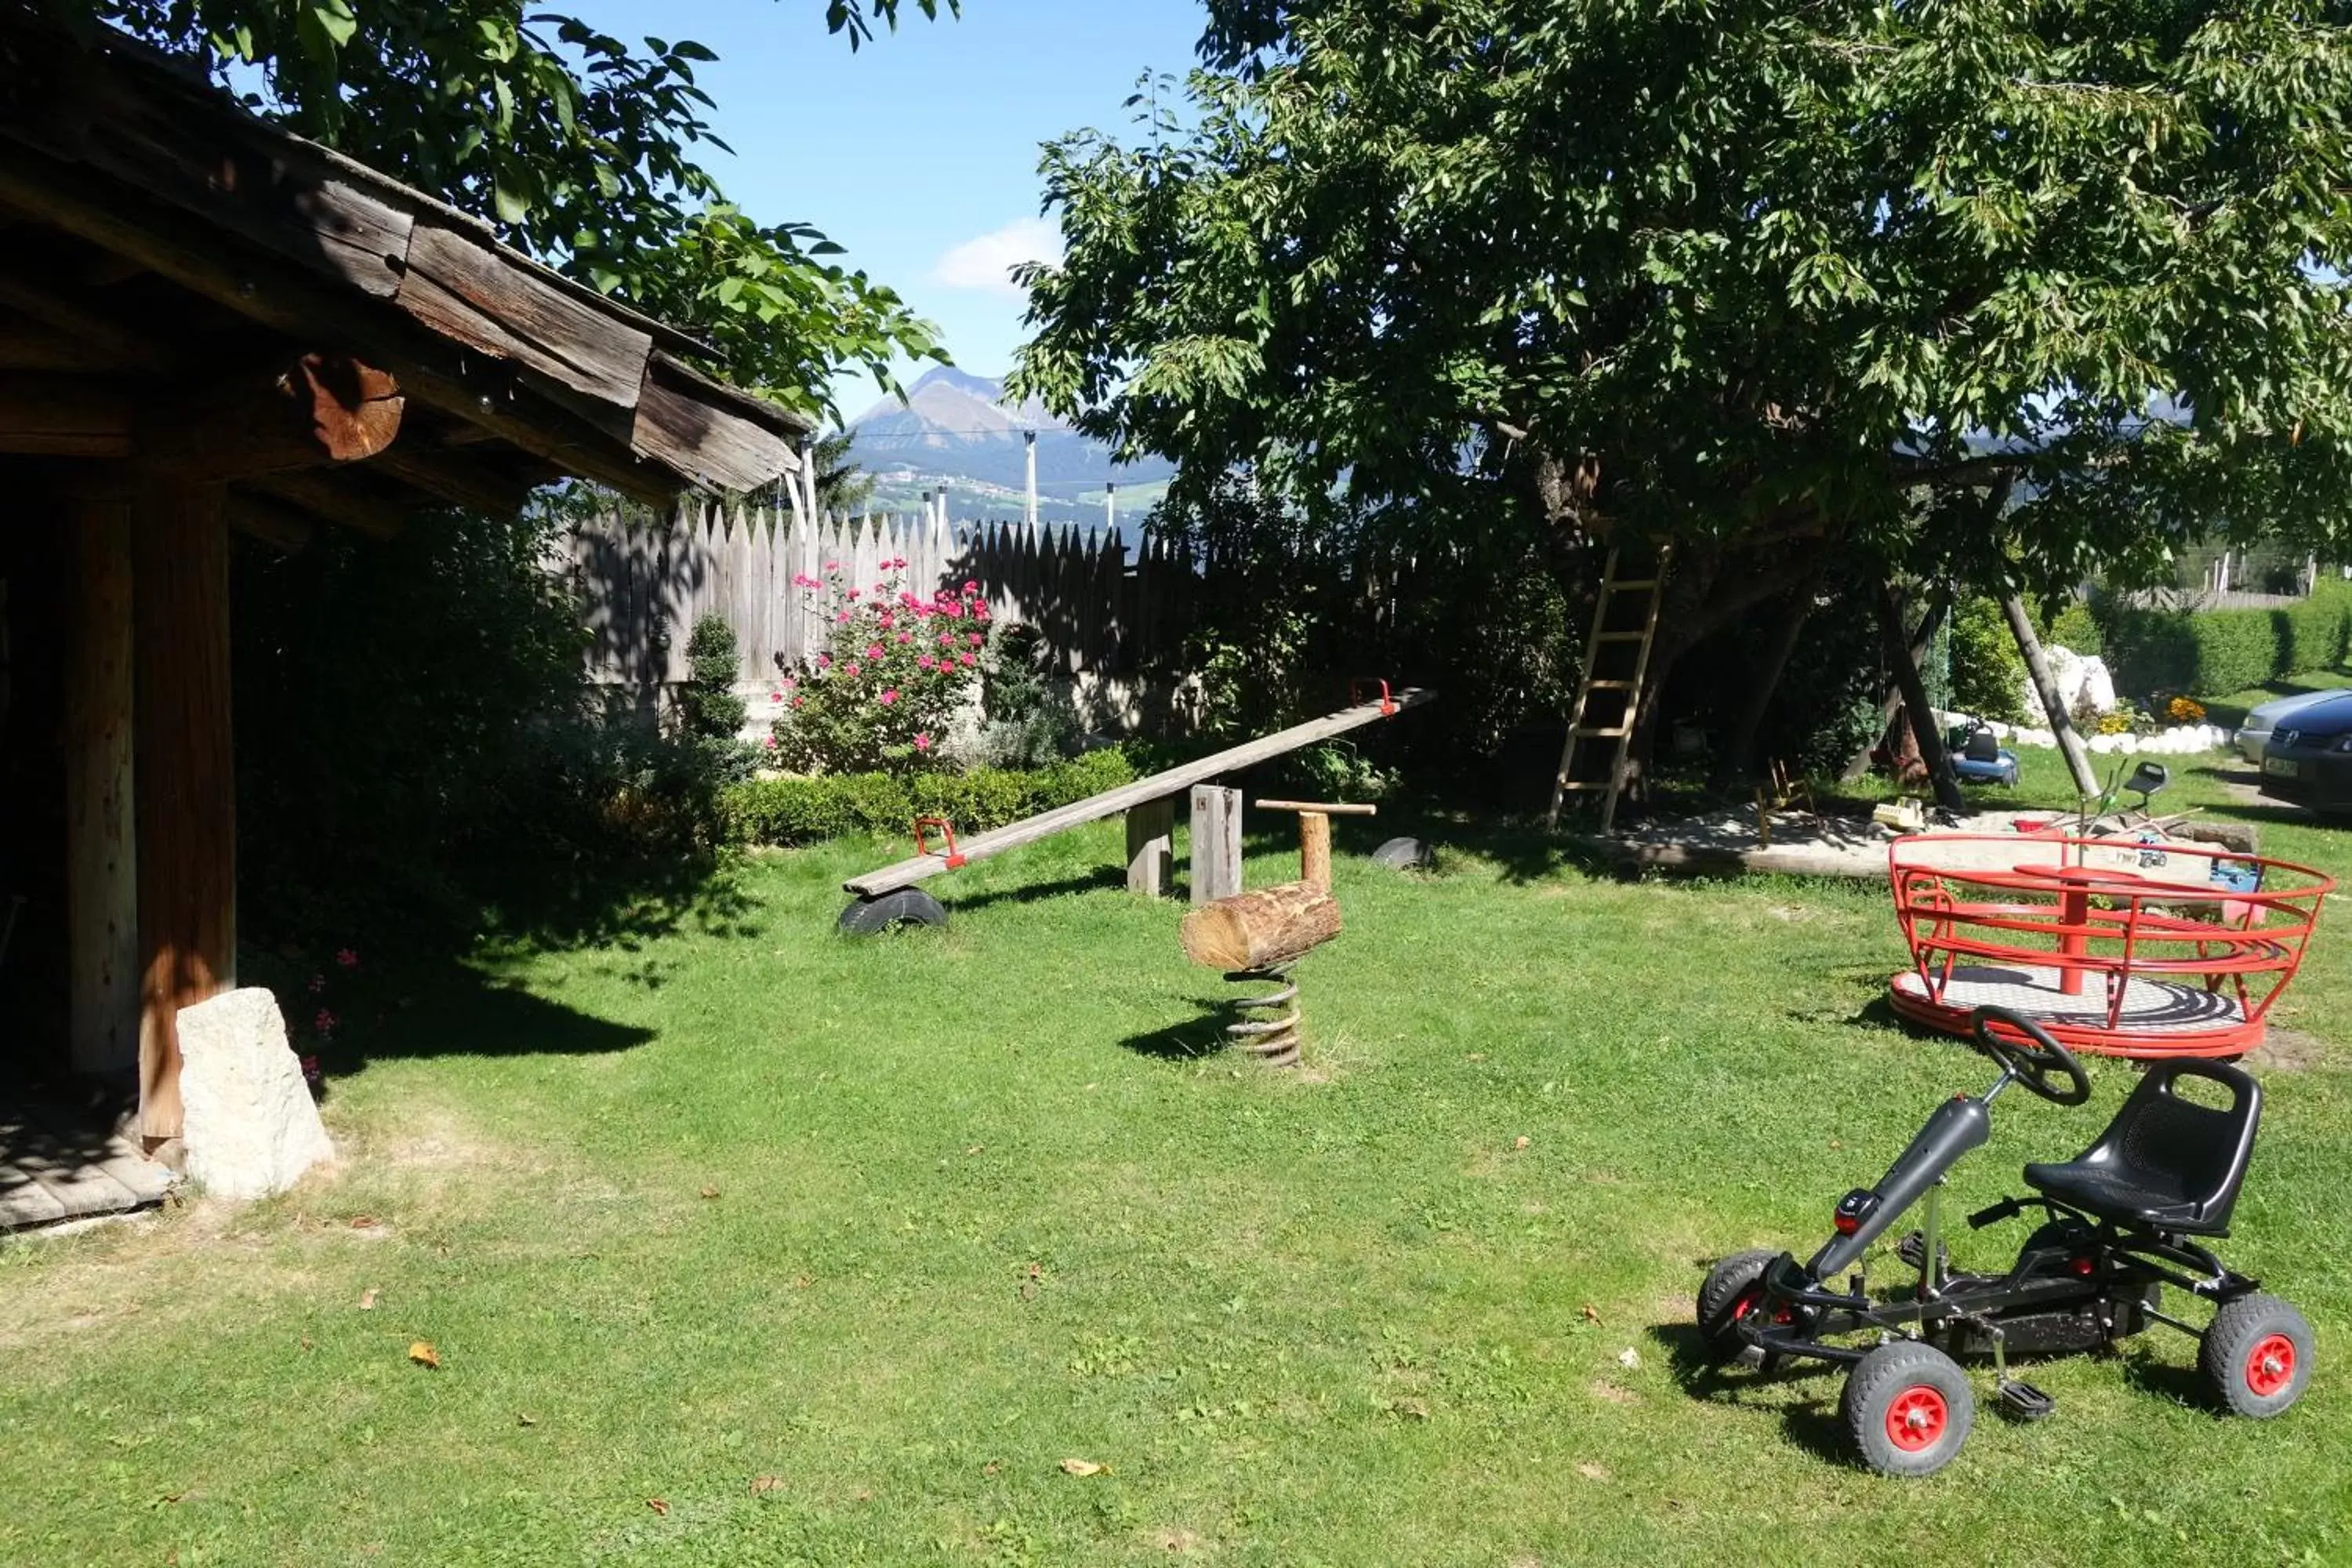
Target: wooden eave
{"x":158,"y":242}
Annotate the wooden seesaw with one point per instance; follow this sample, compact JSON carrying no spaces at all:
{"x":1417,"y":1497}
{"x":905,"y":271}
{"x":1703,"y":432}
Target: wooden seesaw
{"x":889,"y":897}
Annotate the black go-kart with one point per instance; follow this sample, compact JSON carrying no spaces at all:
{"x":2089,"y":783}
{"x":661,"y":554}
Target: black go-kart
{"x":2120,"y":1222}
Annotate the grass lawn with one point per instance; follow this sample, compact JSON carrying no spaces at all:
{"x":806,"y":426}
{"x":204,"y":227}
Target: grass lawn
{"x":2230,"y":712}
{"x":739,"y":1244}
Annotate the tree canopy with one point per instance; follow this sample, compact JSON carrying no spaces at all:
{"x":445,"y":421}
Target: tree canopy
{"x":580,"y":148}
{"x":1996,"y":288}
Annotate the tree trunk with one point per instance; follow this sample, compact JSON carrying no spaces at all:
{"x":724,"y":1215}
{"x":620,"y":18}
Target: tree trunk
{"x":1914,"y":703}
{"x":1739,"y":748}
{"x":1890,"y":701}
{"x":1255,"y":929}
{"x":2078,"y":760}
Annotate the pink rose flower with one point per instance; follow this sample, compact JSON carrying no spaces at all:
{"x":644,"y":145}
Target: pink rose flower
{"x":890,"y":696}
{"x":906,"y":637}
{"x":347,"y":959}
{"x":874,"y":651}
{"x":772,"y":740}
{"x":825,"y":661}
{"x":963,"y":658}
{"x":923,"y":661}
{"x":923,"y":741}
{"x":850,"y":669}
{"x":975,"y":639}
{"x":833,"y":565}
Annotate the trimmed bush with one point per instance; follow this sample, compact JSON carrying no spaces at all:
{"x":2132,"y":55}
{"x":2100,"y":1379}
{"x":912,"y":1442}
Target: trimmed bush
{"x":2215,"y":652}
{"x":789,"y":811}
{"x":1987,"y":672}
{"x":2076,"y":630}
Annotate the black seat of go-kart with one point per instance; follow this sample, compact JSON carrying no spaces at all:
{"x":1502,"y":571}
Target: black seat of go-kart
{"x":2165,"y":1163}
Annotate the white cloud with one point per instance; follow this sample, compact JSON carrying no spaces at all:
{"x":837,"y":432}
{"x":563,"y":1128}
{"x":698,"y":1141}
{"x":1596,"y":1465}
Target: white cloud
{"x":987,"y":262}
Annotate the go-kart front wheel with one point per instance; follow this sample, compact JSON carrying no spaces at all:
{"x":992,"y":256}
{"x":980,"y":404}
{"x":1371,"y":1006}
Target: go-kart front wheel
{"x":2256,"y":1355}
{"x":1909,"y":1408}
{"x":1733,"y":1288}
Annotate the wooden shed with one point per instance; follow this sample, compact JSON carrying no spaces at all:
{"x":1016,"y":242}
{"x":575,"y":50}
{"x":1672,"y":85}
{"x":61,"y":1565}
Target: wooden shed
{"x":212,"y":330}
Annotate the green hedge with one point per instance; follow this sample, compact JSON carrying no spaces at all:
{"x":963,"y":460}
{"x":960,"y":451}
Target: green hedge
{"x":833,"y":806}
{"x":2215,"y":652}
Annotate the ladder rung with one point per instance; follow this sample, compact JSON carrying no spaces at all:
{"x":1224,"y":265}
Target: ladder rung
{"x":1630,"y":585}
{"x":1587,"y":784}
{"x":1621,"y":637}
{"x":1612,"y":731}
{"x":1609,"y":686}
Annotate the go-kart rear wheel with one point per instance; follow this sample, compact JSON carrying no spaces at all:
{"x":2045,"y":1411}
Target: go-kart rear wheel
{"x":1909,"y":1407}
{"x":1734,"y":1288}
{"x":2257,"y":1355}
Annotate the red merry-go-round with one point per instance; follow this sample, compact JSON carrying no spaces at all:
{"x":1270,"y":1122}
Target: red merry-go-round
{"x":2114,"y":945}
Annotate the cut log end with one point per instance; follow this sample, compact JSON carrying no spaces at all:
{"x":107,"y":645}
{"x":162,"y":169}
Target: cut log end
{"x":1267,"y":926}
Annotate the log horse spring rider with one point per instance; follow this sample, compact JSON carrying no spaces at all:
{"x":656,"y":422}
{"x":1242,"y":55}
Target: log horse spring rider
{"x":2122,"y":1220}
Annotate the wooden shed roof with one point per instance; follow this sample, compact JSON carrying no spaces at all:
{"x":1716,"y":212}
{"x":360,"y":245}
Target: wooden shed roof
{"x":163,"y":253}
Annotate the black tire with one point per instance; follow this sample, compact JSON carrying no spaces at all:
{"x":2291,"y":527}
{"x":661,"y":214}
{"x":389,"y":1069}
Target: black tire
{"x":902,"y":907}
{"x":1402,"y":854}
{"x":1909,"y":1407}
{"x":1730,"y":1289}
{"x":2256,"y":1355}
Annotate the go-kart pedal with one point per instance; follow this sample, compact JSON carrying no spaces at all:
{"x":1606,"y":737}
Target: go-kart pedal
{"x":1913,"y":1251}
{"x":2024,"y":1402}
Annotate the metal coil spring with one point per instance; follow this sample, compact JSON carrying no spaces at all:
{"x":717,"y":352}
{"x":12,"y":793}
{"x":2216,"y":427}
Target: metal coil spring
{"x":1273,"y":1037}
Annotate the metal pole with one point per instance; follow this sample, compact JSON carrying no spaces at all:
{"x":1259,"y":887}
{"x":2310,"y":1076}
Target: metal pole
{"x":1110,"y":506}
{"x":1029,"y":452}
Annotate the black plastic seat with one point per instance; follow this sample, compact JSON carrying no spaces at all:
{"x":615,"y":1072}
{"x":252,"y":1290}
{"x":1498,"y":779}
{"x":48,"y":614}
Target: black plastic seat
{"x":2165,"y":1162}
{"x":1981,"y":747}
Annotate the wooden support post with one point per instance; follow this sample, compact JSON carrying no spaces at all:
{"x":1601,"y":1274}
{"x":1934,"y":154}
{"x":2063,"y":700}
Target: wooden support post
{"x":1921,"y":717}
{"x":1217,"y":871}
{"x":1315,"y":835}
{"x":1151,"y":846}
{"x":2045,"y":685}
{"x":186,"y":785}
{"x":101,"y":864}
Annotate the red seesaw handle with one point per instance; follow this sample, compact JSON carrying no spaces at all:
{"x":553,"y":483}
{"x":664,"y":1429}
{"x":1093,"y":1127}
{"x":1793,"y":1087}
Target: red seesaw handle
{"x":1356,"y":695}
{"x":942,"y":823}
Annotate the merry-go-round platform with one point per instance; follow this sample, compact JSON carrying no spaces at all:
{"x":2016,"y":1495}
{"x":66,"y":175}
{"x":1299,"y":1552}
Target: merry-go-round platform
{"x":2114,"y":945}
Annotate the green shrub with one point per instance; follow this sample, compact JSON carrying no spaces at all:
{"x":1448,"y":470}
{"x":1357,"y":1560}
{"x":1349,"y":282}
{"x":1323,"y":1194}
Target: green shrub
{"x":2216,"y":652}
{"x":707,"y":706}
{"x":808,"y":810}
{"x":2075,"y":629}
{"x":1987,"y":672}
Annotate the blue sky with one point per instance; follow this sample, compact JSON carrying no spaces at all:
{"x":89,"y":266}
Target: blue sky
{"x":919,"y":153}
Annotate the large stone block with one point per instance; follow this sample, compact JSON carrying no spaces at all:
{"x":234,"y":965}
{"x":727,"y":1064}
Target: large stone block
{"x":252,"y":1128}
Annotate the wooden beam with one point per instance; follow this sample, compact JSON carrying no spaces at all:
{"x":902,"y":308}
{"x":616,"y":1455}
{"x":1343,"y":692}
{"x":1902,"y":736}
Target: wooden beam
{"x":1151,"y":846}
{"x":103,"y":335}
{"x":318,"y":409}
{"x":477,"y":483}
{"x":49,"y":416}
{"x":101,"y":864}
{"x":1216,"y":844}
{"x":286,"y":528}
{"x":187,"y":777}
{"x":446,"y":375}
{"x":338,"y":500}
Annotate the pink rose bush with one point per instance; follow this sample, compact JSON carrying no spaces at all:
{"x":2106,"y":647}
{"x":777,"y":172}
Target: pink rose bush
{"x":885,"y":688}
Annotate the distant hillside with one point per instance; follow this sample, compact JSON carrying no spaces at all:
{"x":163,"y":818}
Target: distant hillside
{"x":957,"y":427}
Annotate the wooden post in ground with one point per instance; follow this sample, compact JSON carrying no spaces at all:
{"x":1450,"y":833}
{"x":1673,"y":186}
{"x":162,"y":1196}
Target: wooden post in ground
{"x":1921,"y":716}
{"x":186,"y":785}
{"x":101,"y":863}
{"x":2054,"y":703}
{"x":1315,"y":835}
{"x":1216,"y":870}
{"x":1892,"y":699}
{"x":1151,"y":846}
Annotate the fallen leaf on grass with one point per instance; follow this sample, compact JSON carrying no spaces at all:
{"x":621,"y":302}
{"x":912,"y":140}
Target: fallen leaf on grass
{"x":1475,"y":1057}
{"x":766,"y":1484}
{"x":367,"y":1299}
{"x":364,"y":1222}
{"x":1591,"y":1313}
{"x":1083,"y":1468}
{"x":710,"y":1192}
{"x":802,"y":1282}
{"x":974,"y":1149}
{"x":1593,"y":1472}
{"x":1521,"y":1141}
{"x":990,"y":1467}
{"x":523,"y":1420}
{"x":659,"y":1505}
{"x":423,"y":1353}
{"x":1630,"y":1359}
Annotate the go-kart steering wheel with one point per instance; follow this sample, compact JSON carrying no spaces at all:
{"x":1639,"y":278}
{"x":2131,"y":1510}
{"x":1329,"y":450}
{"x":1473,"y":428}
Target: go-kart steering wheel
{"x":2033,"y":1060}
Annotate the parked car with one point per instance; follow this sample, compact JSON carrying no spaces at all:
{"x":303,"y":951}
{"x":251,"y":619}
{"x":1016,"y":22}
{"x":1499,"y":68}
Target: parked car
{"x":2255,"y":732}
{"x":2309,"y":758}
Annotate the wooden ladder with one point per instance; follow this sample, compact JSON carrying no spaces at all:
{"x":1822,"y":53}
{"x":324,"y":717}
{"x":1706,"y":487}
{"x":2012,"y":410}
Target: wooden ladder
{"x":1616,"y":682}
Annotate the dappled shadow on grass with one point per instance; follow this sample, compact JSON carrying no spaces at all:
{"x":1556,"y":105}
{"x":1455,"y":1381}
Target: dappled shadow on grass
{"x":621,"y":902}
{"x":1103,"y":878}
{"x":2145,"y":1373}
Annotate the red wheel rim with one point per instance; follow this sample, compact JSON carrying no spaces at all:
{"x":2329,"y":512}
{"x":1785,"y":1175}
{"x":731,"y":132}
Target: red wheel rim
{"x":2269,"y":1365}
{"x":1918,"y":1418}
{"x":1745,"y":1303}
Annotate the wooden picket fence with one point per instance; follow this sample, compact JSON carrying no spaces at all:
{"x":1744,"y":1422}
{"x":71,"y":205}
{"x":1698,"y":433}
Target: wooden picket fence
{"x":1101,"y":607}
